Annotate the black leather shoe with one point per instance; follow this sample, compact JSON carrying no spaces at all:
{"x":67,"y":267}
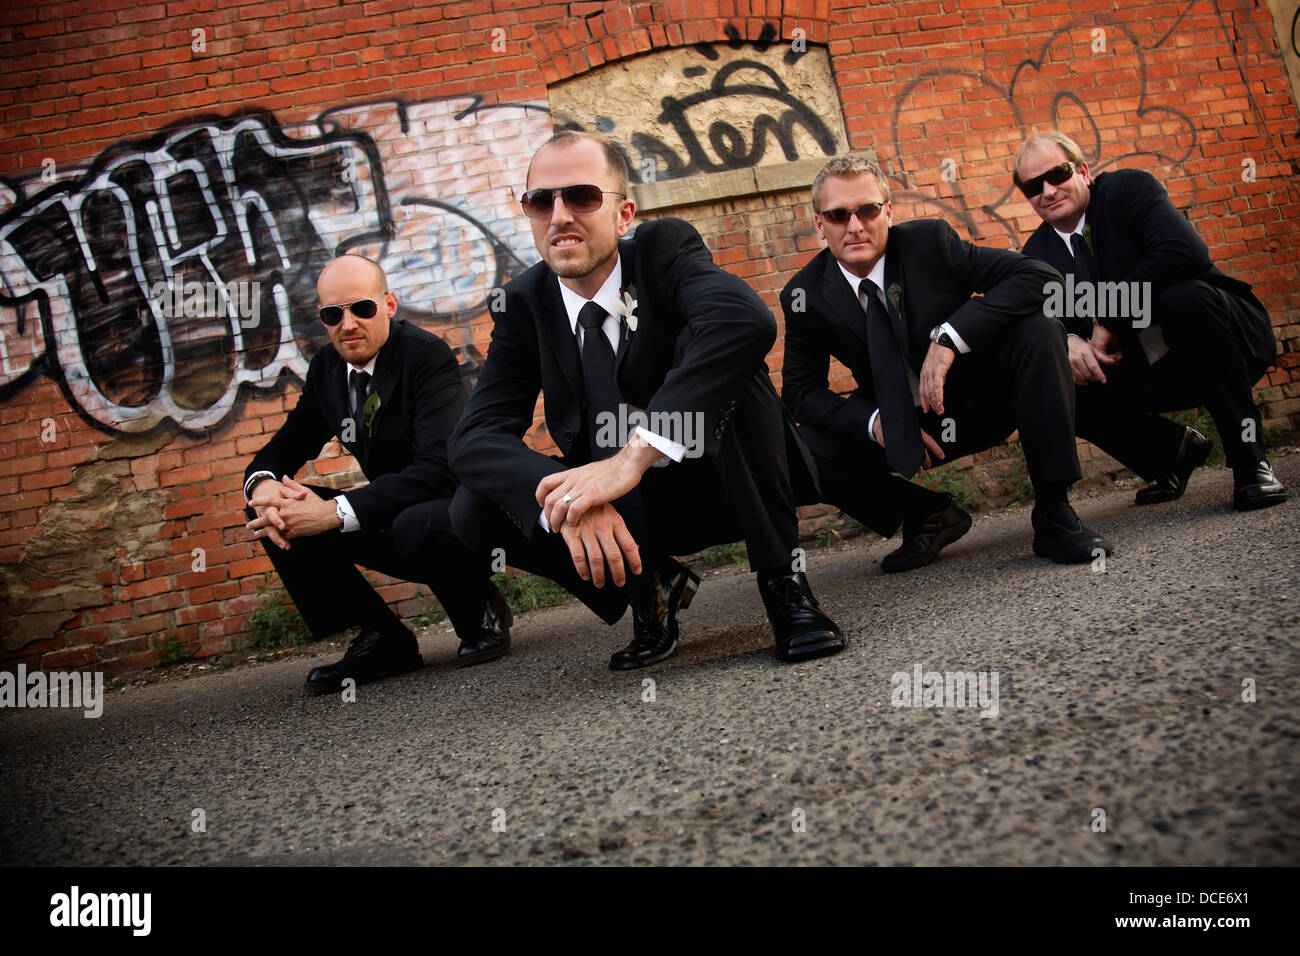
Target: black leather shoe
{"x":1070,"y":543}
{"x":370,"y":656}
{"x":1257,"y":487}
{"x":654,"y":618}
{"x":493,"y":639}
{"x":1192,"y":453}
{"x":922,"y":544}
{"x":802,"y":630}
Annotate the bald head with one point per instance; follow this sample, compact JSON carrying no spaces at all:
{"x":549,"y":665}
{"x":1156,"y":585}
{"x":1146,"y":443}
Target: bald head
{"x":353,"y":264}
{"x":350,"y":281}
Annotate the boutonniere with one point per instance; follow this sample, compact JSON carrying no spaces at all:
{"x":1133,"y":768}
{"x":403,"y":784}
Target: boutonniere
{"x":1087,"y":237}
{"x":627,"y":309}
{"x":896,"y":297}
{"x":369,"y":411}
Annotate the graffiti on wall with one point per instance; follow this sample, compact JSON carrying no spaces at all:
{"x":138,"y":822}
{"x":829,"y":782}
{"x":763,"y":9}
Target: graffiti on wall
{"x":96,"y":266}
{"x":700,"y":110}
{"x":1068,"y":83}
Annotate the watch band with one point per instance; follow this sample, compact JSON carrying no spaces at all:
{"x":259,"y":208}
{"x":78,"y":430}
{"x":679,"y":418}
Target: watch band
{"x":253,"y":482}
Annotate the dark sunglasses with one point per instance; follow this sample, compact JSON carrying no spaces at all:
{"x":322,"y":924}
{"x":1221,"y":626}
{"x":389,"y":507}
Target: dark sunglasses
{"x":1056,"y":176}
{"x":840,"y":217}
{"x":362,"y":309}
{"x":538,"y":203}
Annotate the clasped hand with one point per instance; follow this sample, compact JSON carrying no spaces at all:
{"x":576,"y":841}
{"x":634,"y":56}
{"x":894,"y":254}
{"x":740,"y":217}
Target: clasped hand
{"x":1088,"y":356}
{"x":287,"y":510}
{"x":577,"y":503}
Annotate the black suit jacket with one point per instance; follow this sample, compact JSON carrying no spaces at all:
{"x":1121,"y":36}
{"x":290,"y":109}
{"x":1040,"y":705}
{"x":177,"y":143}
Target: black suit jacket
{"x":701,"y":335}
{"x":1138,"y":235}
{"x":931,"y":276}
{"x":403,"y":451}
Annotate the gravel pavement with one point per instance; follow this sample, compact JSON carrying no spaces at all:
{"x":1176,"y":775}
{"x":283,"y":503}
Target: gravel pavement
{"x":1119,"y":702}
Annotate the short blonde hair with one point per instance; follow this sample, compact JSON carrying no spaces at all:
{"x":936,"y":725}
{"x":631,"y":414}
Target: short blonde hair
{"x":1043,"y":140}
{"x":850,"y":164}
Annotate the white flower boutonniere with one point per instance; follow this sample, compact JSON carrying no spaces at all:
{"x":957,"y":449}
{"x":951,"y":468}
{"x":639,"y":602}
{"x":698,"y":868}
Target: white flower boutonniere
{"x":627,"y":309}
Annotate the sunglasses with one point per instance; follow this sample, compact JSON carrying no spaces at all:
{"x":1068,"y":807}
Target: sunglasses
{"x":1056,"y":176}
{"x":363,"y":309}
{"x":538,"y":203}
{"x":865,"y":213}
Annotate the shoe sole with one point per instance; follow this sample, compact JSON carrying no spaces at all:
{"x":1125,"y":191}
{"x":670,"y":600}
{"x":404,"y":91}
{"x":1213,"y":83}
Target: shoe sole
{"x":807,"y":653}
{"x":1261,"y":501}
{"x":636,"y":665}
{"x":483,"y":657}
{"x":945,"y":537}
{"x":1042,"y":553}
{"x":319,"y":689}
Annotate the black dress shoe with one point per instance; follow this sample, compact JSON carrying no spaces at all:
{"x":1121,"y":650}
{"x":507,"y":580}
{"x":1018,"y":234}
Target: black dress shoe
{"x":1192,"y":453}
{"x":1257,"y":487}
{"x":370,"y":656}
{"x":1062,"y":537}
{"x":802,"y":630}
{"x":922,"y":544}
{"x":493,"y":639}
{"x":654,"y":617}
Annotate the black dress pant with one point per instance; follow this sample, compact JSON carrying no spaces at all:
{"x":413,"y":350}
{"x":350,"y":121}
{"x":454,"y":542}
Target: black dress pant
{"x":1209,"y":363}
{"x":681,"y":508}
{"x":1022,"y":382}
{"x":320,"y":574}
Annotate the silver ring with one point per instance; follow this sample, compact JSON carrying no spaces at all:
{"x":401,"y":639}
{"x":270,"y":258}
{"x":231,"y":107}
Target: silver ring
{"x":567,"y":499}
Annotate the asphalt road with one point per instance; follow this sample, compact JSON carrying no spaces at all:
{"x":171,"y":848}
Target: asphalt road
{"x":1119,"y":692}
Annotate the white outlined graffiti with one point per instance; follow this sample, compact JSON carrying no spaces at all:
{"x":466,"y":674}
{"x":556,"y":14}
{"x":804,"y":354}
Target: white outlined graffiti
{"x":217,"y":201}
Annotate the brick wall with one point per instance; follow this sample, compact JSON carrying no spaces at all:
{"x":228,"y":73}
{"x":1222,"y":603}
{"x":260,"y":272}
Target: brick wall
{"x":224,"y":142}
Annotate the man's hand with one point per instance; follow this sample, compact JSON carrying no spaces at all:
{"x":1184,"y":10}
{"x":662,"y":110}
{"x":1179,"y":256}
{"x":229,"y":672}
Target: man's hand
{"x":927,"y":440}
{"x":300,"y":513}
{"x":601,"y":538}
{"x":593,"y":485}
{"x":1087,"y":358}
{"x":267,"y":498}
{"x":933,"y":373}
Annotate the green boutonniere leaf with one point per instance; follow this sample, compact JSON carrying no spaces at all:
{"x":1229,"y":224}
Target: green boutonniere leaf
{"x":896,"y":297}
{"x":370,"y":410}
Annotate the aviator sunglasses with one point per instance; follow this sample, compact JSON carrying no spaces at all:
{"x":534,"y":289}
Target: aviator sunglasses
{"x":362,"y":309}
{"x":1056,"y":176}
{"x":538,"y":203}
{"x":865,"y":213}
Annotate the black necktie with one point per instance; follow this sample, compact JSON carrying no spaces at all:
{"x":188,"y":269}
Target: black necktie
{"x":901,"y":428}
{"x":1085,"y":263}
{"x":598,"y":379}
{"x":360,"y":383}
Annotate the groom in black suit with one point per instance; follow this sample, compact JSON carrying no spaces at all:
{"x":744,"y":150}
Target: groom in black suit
{"x":392,"y":393}
{"x":941,"y":372}
{"x":1198,"y":337}
{"x":650,"y":362}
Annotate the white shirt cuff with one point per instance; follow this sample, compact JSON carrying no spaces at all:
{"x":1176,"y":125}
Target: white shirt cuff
{"x":268,"y":474}
{"x":957,"y":340}
{"x":871,"y":424}
{"x":542,"y":522}
{"x":668,"y":447}
{"x":350,"y":522}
